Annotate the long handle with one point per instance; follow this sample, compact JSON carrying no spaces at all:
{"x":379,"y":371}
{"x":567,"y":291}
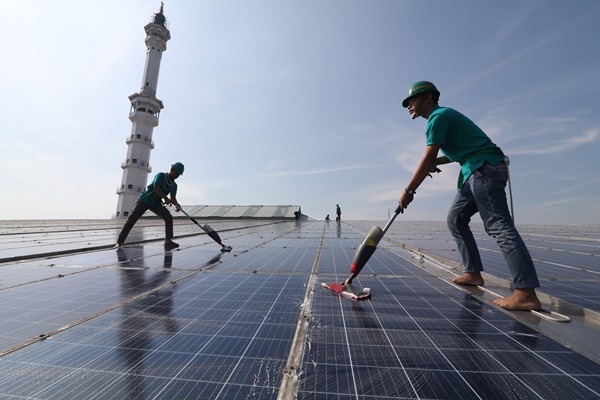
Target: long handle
{"x":209,"y":231}
{"x":391,"y":221}
{"x":368,"y":247}
{"x":188,"y":215}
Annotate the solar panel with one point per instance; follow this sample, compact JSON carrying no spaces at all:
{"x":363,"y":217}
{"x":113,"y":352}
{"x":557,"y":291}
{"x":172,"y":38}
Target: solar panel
{"x":420,"y":339}
{"x":193,"y":322}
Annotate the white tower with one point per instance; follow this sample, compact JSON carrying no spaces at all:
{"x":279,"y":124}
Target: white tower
{"x":144,"y":115}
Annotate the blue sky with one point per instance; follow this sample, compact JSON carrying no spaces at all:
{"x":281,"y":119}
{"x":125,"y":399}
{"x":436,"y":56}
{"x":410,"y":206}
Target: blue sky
{"x":299,"y":102}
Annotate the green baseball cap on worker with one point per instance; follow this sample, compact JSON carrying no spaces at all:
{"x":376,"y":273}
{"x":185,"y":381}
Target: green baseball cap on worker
{"x":418,"y":88}
{"x":178,"y":167}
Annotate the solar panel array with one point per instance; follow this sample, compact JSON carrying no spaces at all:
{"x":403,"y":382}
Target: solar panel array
{"x":142,"y":322}
{"x":566,"y":257}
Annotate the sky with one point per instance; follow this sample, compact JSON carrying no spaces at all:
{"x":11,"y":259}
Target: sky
{"x":299,"y":102}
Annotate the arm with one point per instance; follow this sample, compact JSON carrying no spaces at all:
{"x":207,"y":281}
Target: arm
{"x":160,"y":193}
{"x":427,"y":163}
{"x":441,"y":160}
{"x":175,"y":202}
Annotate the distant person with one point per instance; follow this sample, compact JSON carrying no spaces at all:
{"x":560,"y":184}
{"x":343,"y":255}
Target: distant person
{"x":327,"y":218}
{"x":481,"y":188}
{"x":338,"y":212}
{"x":152,"y":199}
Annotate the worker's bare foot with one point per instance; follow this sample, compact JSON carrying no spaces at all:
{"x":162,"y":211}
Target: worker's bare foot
{"x":521,"y":299}
{"x":469,"y":278}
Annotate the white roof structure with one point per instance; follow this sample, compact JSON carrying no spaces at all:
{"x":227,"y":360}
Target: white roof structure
{"x":233,"y":211}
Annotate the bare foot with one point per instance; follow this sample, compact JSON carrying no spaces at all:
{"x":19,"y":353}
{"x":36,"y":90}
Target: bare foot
{"x":469,"y":278}
{"x":521,"y":299}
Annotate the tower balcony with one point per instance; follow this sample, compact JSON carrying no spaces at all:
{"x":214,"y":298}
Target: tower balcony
{"x":130,"y":189}
{"x":147,"y":117}
{"x":135,"y":163}
{"x":145,"y":107}
{"x":140,"y":139}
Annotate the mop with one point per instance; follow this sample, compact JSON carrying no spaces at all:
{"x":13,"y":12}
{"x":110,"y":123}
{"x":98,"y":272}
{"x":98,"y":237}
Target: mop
{"x":210,"y":232}
{"x":362,"y":255}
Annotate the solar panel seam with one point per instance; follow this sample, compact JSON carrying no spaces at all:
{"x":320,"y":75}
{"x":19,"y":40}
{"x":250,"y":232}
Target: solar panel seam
{"x":528,"y":351}
{"x":288,"y":387}
{"x":224,"y":384}
{"x":229,"y":377}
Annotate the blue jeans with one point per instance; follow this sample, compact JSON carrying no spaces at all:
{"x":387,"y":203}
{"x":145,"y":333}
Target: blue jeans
{"x":484,"y":192}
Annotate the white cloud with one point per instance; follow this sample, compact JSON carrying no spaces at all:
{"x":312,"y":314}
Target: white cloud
{"x":318,"y":171}
{"x":562,"y":145}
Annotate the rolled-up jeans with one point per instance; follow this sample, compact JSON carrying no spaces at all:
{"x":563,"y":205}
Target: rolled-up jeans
{"x":136,"y":213}
{"x":484,"y":192}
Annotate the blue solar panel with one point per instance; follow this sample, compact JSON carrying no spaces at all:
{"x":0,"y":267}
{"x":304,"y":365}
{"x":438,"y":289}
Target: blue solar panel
{"x":193,"y":322}
{"x":419,"y":338}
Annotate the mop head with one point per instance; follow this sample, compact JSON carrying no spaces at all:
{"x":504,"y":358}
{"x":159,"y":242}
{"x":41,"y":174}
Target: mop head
{"x":349,"y":291}
{"x":226,"y":248}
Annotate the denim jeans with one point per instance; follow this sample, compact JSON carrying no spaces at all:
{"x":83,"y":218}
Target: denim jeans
{"x":484,"y":192}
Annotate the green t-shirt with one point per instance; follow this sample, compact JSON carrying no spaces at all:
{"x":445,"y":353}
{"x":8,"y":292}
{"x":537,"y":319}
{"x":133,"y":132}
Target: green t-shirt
{"x":461,"y":141}
{"x":166,"y":184}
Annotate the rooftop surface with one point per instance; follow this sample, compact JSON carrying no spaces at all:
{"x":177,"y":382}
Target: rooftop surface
{"x":82,"y":320}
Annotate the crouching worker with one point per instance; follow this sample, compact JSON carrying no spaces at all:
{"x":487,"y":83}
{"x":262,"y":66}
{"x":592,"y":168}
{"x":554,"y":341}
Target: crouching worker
{"x":152,"y":199}
{"x":481,"y":189}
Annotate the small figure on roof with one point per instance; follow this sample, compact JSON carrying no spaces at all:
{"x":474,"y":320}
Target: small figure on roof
{"x":338,"y":212}
{"x":327,"y":218}
{"x":152,"y":199}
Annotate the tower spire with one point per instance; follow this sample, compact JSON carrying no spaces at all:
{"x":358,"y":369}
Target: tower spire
{"x":144,"y":115}
{"x":159,"y":17}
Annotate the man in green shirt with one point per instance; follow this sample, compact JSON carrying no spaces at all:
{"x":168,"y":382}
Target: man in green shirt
{"x":481,"y":188}
{"x":152,"y":199}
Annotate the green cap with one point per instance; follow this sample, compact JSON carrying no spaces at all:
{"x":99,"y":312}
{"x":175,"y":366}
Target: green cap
{"x":178,"y":167}
{"x":418,"y":88}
